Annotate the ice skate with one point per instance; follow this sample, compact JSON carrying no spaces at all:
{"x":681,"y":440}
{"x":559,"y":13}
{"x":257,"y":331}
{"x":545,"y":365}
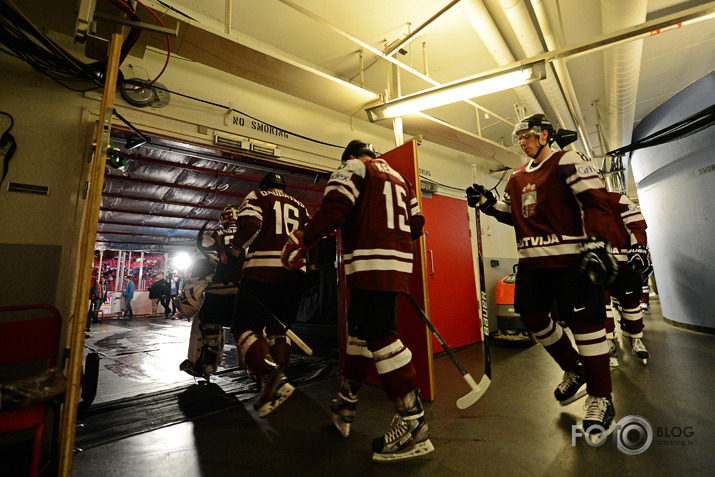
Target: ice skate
{"x":573,"y":386}
{"x":599,"y":416}
{"x":612,"y":352}
{"x":407,"y":438}
{"x":639,"y":350}
{"x":194,"y":369}
{"x":342,"y":410}
{"x":275,"y":390}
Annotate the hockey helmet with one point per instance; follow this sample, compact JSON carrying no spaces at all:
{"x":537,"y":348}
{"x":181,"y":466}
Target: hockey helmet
{"x":229,"y":214}
{"x":273,"y":181}
{"x":535,"y":123}
{"x":356,"y":148}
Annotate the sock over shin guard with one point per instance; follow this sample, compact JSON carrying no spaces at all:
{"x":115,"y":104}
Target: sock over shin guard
{"x":591,"y":341}
{"x":254,"y":350}
{"x":553,"y":338}
{"x":393,"y":361}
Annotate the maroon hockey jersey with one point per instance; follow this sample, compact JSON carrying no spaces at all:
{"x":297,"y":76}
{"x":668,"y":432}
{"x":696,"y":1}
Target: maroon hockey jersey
{"x":379,"y":218}
{"x":553,"y":206}
{"x":265,"y":219}
{"x":629,"y":226}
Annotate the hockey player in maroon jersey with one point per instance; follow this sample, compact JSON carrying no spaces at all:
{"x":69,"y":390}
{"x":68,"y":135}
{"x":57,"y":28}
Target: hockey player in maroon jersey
{"x":379,"y":218}
{"x":629,"y":248}
{"x":212,"y":290}
{"x":561,"y":215}
{"x":265,"y":219}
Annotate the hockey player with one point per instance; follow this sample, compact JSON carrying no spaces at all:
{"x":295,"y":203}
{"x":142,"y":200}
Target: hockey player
{"x":212,"y":290}
{"x":379,"y":218}
{"x":561,"y":214}
{"x":265,"y":219}
{"x":629,"y":248}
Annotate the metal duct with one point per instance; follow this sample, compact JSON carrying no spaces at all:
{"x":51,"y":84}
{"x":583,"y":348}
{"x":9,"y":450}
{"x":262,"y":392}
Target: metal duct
{"x":492,"y":38}
{"x":542,"y":17}
{"x":622,"y":68}
{"x":523,"y":26}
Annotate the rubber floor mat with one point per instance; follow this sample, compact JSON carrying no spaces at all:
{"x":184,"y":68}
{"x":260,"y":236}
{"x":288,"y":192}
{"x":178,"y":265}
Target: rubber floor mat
{"x":111,"y":421}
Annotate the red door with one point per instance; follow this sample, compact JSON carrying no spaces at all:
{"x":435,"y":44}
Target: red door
{"x":454,"y":307}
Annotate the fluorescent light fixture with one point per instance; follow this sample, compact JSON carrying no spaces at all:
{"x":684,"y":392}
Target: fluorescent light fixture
{"x":467,"y":88}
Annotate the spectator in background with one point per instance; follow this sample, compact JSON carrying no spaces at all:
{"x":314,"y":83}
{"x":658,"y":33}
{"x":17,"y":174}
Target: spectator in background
{"x":98,"y":295}
{"x":127,"y":297}
{"x":175,"y":288}
{"x":159,"y":293}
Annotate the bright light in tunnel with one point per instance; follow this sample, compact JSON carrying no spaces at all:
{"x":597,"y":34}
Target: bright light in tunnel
{"x":183,"y":261}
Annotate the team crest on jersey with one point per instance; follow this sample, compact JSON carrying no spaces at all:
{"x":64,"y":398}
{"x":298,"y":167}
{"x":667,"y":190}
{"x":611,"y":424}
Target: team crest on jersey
{"x":528,"y":200}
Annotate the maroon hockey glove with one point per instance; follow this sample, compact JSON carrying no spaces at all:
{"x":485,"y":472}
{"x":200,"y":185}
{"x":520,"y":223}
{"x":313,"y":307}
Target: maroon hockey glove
{"x":294,"y":251}
{"x":597,"y":262}
{"x":639,"y":260}
{"x":479,"y":196}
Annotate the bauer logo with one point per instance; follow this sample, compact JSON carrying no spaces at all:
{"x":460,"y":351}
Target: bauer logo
{"x":632,"y":435}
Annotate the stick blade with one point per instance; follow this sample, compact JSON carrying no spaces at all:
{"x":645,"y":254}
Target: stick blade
{"x":469,"y":399}
{"x":301,"y":344}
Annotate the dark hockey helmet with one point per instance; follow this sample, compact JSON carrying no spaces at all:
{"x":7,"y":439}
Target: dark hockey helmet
{"x":228,"y":217}
{"x":356,"y":147}
{"x":273,"y":181}
{"x":535,"y":123}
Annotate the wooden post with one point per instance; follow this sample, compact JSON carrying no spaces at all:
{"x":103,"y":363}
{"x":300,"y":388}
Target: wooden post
{"x":89,"y":234}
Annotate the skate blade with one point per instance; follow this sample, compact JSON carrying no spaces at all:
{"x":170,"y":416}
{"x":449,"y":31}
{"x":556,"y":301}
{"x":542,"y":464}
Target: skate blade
{"x":581,"y":393}
{"x":643,"y":360}
{"x":343,"y":427}
{"x":419,"y":450}
{"x":279,"y":398}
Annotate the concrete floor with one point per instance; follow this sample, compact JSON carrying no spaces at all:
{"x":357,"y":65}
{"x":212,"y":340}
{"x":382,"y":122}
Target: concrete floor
{"x":516,"y":428}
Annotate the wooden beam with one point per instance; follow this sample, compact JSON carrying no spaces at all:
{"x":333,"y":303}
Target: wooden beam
{"x":89,"y":229}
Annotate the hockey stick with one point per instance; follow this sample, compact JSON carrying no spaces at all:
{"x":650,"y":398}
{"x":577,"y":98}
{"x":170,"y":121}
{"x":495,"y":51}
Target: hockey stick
{"x":477,"y":389}
{"x":487,"y":378}
{"x":301,"y":344}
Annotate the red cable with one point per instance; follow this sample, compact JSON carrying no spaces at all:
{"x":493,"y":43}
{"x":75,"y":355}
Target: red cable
{"x":168,"y":53}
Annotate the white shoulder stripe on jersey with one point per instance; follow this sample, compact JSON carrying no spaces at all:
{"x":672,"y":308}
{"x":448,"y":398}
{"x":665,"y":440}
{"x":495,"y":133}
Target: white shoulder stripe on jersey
{"x":341,"y":189}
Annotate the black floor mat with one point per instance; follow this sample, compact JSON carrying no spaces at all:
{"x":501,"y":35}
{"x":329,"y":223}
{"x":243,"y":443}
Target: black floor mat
{"x":110,"y":421}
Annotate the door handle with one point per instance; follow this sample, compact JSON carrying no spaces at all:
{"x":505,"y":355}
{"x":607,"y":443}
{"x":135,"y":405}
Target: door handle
{"x":431,"y":259}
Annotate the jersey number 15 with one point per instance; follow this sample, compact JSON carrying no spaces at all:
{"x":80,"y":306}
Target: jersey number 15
{"x":395,"y":206}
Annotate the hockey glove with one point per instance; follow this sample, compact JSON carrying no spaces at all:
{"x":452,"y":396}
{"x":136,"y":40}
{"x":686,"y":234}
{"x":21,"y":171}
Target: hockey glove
{"x":479,"y":196}
{"x":597,"y":262}
{"x":294,"y":251}
{"x":639,"y":260}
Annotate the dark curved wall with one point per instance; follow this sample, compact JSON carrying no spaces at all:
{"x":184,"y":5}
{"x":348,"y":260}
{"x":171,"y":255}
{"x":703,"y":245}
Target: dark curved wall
{"x":676,"y":189}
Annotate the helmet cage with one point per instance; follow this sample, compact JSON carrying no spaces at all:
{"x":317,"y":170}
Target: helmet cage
{"x":228,"y":216}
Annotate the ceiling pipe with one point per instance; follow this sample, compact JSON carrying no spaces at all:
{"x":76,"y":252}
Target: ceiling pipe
{"x":622,"y":65}
{"x":622,"y":68}
{"x":392,"y":49}
{"x":518,"y":15}
{"x":380,"y":54}
{"x":492,"y":38}
{"x":542,"y":17}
